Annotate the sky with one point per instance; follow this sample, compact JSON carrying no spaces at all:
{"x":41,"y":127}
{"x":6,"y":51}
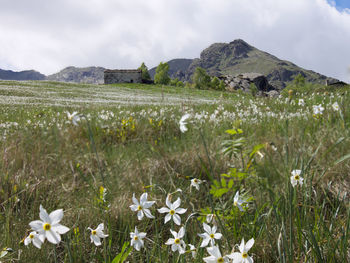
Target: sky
{"x":48,"y":36}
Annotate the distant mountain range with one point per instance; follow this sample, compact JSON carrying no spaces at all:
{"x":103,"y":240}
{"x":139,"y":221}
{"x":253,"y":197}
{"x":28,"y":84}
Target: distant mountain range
{"x":218,"y":59}
{"x":22,"y":75}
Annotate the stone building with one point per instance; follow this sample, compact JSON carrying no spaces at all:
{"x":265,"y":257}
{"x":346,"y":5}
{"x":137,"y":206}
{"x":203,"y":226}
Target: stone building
{"x":122,"y":76}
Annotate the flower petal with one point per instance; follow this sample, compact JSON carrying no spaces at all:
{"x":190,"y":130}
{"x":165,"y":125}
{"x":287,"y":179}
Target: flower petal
{"x":177,"y":219}
{"x":53,"y":237}
{"x":148,"y":213}
{"x":180,"y":210}
{"x":163,"y":210}
{"x":60,"y":229}
{"x":44,"y":216}
{"x":56,"y":216}
{"x":36,"y":225}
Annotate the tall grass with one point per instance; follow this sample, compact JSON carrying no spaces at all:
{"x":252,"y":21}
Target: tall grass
{"x":50,"y":162}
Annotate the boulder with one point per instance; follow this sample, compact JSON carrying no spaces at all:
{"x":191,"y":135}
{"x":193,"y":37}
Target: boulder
{"x":245,"y":80}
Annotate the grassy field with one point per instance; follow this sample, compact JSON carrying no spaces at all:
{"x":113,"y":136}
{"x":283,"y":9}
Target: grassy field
{"x":126,"y":140}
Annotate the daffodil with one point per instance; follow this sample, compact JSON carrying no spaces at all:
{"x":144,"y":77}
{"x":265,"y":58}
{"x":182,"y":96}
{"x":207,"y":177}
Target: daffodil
{"x":296,"y":178}
{"x":209,"y":235}
{"x":238,"y":201}
{"x":177,"y":244}
{"x":74,"y":117}
{"x":142,"y":207}
{"x":215,"y":256}
{"x":33,"y":237}
{"x":195,"y":183}
{"x":48,"y":227}
{"x":242,"y":256}
{"x":193,"y":250}
{"x":136,"y":239}
{"x":173,"y":210}
{"x":335,"y":106}
{"x":97,"y":234}
{"x":318,"y":109}
{"x":183,"y":122}
{"x":211,"y":218}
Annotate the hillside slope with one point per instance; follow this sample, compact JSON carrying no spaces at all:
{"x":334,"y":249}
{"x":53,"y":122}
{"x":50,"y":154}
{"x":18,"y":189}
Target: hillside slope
{"x":239,"y":57}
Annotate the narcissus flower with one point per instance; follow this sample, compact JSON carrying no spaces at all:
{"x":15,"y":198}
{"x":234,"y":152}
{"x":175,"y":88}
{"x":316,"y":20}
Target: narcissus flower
{"x":335,"y":106}
{"x":177,"y":243}
{"x":142,"y":206}
{"x":49,"y":227}
{"x":318,"y":109}
{"x":173,"y":210}
{"x":215,"y":256}
{"x":97,"y":234}
{"x":183,"y":122}
{"x":296,"y":178}
{"x":209,"y":235}
{"x":195,"y":183}
{"x":74,"y":117}
{"x":242,"y":256}
{"x":238,"y":201}
{"x":136,"y":239}
{"x":33,"y":237}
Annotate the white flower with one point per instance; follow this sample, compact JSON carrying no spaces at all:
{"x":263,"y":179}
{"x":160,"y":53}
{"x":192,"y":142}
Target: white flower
{"x":49,"y":227}
{"x":211,"y":218}
{"x":183,"y":122}
{"x":136,"y":239}
{"x":301,"y":102}
{"x":209,"y":235}
{"x":193,"y":250}
{"x":318,"y":109}
{"x":242,"y":256}
{"x":296,"y":178}
{"x":237,"y":201}
{"x":33,"y":237}
{"x":195,"y":183}
{"x":335,"y":106}
{"x":142,"y":206}
{"x":74,"y":118}
{"x":215,"y":256}
{"x":177,"y":243}
{"x":173,"y":210}
{"x":97,"y":234}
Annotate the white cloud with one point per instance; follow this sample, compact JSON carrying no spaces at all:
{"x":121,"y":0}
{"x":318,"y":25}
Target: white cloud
{"x":49,"y":35}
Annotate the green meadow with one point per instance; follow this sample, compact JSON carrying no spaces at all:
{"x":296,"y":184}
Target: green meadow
{"x":125,"y":140}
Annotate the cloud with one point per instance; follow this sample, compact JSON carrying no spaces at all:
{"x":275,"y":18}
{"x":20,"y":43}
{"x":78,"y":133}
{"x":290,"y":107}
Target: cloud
{"x":49,"y":35}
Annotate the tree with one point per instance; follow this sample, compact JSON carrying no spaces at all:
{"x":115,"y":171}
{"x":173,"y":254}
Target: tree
{"x":162,"y":74}
{"x":201,"y":79}
{"x":215,"y":82}
{"x":145,"y":74}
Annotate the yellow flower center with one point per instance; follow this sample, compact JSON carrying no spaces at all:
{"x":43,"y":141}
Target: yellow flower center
{"x":221,"y":260}
{"x":177,"y":241}
{"x":139,"y":208}
{"x":172,"y":212}
{"x":244,"y":255}
{"x":31,"y":236}
{"x":93,"y":232}
{"x":297,"y":177}
{"x":136,"y":238}
{"x":211,"y":235}
{"x":195,"y":180}
{"x":235,"y":203}
{"x":47,"y":226}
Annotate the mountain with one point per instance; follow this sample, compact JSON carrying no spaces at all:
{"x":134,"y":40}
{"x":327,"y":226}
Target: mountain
{"x":21,"y":75}
{"x":239,"y":57}
{"x":177,"y":68}
{"x":91,"y":75}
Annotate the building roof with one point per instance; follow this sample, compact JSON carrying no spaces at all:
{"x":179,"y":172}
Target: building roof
{"x":123,"y":71}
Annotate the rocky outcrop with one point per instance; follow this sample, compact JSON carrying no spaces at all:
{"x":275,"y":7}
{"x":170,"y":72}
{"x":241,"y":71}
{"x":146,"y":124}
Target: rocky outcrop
{"x":91,"y":75}
{"x":244,"y":82}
